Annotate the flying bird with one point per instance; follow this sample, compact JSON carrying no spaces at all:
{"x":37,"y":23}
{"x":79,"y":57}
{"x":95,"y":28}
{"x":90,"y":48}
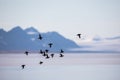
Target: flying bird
{"x":44,"y":54}
{"x":23,"y":66}
{"x":41,"y":52}
{"x":47,"y":57}
{"x":61,"y":55}
{"x":26,"y":52}
{"x":61,"y":51}
{"x":50,"y":44}
{"x":46,"y":50}
{"x":52,"y":55}
{"x":79,"y":35}
{"x":41,"y":62}
{"x":40,"y":37}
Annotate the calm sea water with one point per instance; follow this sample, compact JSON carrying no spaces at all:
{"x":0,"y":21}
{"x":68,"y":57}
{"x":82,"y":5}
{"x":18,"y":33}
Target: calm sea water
{"x":10,"y":68}
{"x":86,"y":72}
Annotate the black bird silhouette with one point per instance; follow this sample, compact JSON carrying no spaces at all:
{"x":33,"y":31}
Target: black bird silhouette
{"x":47,"y":57}
{"x":50,"y":44}
{"x":23,"y":66}
{"x":61,"y":51}
{"x":46,"y":50}
{"x":26,"y":52}
{"x":79,"y":35}
{"x":61,"y":55}
{"x":44,"y":54}
{"x":40,"y":37}
{"x":41,"y":52}
{"x":52,"y":55}
{"x":41,"y":62}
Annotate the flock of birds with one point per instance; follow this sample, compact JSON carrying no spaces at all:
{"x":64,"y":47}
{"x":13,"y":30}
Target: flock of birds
{"x":45,"y":52}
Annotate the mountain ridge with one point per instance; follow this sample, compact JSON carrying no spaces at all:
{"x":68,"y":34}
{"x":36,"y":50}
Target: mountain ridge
{"x":18,"y":39}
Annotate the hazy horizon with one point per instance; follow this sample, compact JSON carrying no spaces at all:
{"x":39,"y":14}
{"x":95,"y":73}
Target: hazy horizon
{"x":68,"y":17}
{"x":104,"y":44}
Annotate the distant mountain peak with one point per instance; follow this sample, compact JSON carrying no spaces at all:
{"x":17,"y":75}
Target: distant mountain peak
{"x":31,"y":30}
{"x":2,"y":30}
{"x":19,"y":40}
{"x":53,"y":33}
{"x":17,"y":28}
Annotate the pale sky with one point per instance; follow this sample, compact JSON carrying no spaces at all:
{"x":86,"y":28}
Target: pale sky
{"x":68,"y":17}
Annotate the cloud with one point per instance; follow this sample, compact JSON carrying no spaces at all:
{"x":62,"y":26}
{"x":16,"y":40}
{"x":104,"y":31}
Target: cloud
{"x":97,"y":38}
{"x":113,"y":38}
{"x":101,"y":44}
